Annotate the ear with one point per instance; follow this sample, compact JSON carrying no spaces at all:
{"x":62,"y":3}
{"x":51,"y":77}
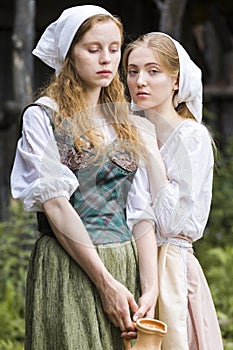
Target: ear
{"x":176,"y":83}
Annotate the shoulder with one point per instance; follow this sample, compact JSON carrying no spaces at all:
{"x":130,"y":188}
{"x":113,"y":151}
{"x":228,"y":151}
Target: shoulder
{"x":189,"y":138}
{"x":47,"y":102}
{"x":190,"y":127}
{"x":192,"y":132}
{"x":36,"y":116}
{"x":39,"y":107}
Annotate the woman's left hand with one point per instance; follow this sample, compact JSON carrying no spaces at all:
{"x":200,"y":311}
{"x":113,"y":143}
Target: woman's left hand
{"x":146,"y":305}
{"x":146,"y":308}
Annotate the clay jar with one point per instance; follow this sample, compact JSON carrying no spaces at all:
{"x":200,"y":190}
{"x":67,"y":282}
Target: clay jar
{"x":150,"y":335}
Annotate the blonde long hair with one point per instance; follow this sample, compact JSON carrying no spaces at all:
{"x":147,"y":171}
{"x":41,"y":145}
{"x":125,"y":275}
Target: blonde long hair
{"x":168,"y":56}
{"x":69,"y":92}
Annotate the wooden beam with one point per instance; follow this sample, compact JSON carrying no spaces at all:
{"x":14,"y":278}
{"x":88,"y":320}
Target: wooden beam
{"x":218,"y":91}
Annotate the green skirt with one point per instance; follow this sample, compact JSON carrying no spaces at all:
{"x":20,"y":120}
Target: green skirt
{"x":63,"y":307}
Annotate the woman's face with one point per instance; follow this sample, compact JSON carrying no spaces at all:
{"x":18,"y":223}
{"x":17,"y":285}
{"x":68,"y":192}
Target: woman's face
{"x":149,"y":85}
{"x":97,"y":55}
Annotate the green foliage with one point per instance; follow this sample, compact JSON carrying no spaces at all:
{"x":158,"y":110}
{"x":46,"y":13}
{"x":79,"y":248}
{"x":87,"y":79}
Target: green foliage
{"x":217,"y":264}
{"x":220,"y":224}
{"x":215,"y":251}
{"x":9,"y":345}
{"x":16,"y":238}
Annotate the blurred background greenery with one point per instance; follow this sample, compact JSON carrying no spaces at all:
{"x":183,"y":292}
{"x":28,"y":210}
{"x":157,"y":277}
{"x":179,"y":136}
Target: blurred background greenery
{"x":205,"y":28}
{"x":214,"y":251}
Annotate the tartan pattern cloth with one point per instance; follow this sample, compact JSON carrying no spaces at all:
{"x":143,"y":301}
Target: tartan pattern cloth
{"x":100,"y":200}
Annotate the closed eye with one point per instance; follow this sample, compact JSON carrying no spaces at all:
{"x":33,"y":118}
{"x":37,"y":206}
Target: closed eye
{"x":93,"y":49}
{"x":114,"y":49}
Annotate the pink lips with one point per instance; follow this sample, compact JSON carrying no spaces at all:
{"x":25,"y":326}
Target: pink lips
{"x":104,"y":73}
{"x":142,"y":94}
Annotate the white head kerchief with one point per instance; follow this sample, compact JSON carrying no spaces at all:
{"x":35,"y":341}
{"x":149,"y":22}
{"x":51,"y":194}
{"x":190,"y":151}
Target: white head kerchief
{"x":55,"y":42}
{"x":190,"y":83}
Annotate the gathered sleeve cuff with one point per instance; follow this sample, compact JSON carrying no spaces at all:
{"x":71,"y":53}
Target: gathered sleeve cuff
{"x":38,"y":174}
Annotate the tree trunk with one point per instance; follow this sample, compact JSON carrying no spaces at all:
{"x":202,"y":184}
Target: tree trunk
{"x":23,"y":40}
{"x":171,"y":16}
{"x":216,"y":46}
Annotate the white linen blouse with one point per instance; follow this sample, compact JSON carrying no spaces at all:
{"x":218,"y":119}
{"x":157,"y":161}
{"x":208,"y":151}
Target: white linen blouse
{"x":182,"y":206}
{"x":39,"y":175}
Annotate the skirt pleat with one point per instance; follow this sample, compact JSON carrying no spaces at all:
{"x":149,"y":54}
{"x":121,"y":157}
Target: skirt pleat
{"x":204,"y":330}
{"x":185,"y":303}
{"x":63,"y":307}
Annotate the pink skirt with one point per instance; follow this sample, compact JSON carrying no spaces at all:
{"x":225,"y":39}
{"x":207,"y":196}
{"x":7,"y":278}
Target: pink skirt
{"x":185,"y":303}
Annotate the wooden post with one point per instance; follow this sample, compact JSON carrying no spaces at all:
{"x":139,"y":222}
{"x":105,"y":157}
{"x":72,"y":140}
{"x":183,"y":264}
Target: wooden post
{"x":171,"y":16}
{"x":23,"y":41}
{"x":22,"y":66}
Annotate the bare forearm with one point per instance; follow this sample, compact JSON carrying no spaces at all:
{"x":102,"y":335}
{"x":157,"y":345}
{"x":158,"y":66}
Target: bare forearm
{"x":72,"y":235}
{"x":147,"y":251}
{"x":116,"y":299}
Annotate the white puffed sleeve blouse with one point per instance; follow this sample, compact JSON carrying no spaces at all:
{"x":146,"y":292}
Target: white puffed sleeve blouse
{"x":182,"y":206}
{"x":38,"y":174}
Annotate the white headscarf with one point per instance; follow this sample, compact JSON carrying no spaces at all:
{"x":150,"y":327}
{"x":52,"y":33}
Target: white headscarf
{"x":55,"y":42}
{"x":190,"y":83}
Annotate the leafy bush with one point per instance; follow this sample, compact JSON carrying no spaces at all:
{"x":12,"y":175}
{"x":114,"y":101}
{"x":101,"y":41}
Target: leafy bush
{"x":217,"y":264}
{"x":9,"y":345}
{"x":220,"y":224}
{"x":215,"y":251}
{"x":16,"y":239}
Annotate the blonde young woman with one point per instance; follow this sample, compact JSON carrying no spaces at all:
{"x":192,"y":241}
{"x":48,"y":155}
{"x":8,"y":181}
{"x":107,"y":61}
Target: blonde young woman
{"x":76,"y":162}
{"x":165,"y":83}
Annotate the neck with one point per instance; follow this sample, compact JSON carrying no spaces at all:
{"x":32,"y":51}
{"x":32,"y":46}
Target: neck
{"x":93,"y":97}
{"x":164,"y":123}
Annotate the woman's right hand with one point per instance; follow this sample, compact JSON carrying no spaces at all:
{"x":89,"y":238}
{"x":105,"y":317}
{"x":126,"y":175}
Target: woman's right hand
{"x":118,"y":302}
